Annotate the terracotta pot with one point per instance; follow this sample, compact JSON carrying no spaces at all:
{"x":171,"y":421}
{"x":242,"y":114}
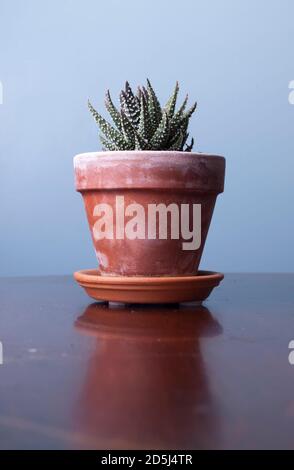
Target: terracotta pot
{"x":146,"y":178}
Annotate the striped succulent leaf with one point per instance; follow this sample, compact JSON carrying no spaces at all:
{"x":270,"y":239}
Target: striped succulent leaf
{"x":141,"y":123}
{"x":154,"y":108}
{"x":161,"y":135}
{"x":128,"y":131}
{"x":110,"y":132}
{"x":114,"y":113}
{"x":171,"y":104}
{"x":145,"y":128}
{"x":106,"y":144}
{"x":140,"y":142}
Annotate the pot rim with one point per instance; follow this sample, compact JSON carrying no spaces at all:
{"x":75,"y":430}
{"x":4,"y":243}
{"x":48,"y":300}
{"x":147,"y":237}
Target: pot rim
{"x":143,"y":153}
{"x":152,"y":169}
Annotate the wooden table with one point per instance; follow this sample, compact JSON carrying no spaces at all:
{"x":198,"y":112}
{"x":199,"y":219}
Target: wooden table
{"x":82,"y":375}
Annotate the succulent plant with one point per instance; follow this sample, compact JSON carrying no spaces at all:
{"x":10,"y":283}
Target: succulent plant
{"x":142,"y":124}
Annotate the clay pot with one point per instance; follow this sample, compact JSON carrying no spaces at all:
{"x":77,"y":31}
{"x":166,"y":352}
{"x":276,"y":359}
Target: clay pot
{"x":119,"y":179}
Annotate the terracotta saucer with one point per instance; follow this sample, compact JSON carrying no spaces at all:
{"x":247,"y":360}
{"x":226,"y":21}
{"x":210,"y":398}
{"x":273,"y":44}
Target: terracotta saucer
{"x":152,"y":290}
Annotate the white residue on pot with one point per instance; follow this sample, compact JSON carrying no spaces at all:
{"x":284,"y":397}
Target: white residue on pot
{"x":102,"y":259}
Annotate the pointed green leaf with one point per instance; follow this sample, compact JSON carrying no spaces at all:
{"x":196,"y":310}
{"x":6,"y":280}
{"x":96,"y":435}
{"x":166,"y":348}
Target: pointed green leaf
{"x":145,"y":93}
{"x":144,"y":129}
{"x":186,"y":135}
{"x":144,"y":144}
{"x":177,"y":118}
{"x":171,"y":104}
{"x":137,"y":144}
{"x":138,"y":95}
{"x":114,"y":113}
{"x":110,"y":132}
{"x":154,"y":108}
{"x":177,"y":143}
{"x":108,"y":145}
{"x":128,"y":130}
{"x":189,"y":147}
{"x":161,"y":135}
{"x":130,"y":105}
{"x":181,"y":119}
{"x":190,"y":111}
{"x":183,"y":107}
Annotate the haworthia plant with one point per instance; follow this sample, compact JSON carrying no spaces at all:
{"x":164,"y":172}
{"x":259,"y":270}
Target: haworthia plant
{"x":142,"y":124}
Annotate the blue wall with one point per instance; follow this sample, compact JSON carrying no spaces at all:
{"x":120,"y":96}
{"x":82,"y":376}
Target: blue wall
{"x":235,"y":57}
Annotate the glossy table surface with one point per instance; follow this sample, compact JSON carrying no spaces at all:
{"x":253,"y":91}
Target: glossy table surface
{"x":79,"y":375}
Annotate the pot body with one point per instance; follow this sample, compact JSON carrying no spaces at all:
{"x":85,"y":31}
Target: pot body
{"x":141,"y":209}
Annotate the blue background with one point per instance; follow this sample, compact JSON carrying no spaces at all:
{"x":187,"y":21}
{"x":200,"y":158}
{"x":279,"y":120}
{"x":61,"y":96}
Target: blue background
{"x":234,"y":57}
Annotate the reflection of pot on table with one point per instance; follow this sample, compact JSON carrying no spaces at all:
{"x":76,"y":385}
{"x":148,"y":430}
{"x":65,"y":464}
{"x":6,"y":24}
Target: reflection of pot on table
{"x":146,"y":385}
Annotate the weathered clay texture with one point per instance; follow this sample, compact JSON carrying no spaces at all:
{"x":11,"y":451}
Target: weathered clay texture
{"x":149,"y":177}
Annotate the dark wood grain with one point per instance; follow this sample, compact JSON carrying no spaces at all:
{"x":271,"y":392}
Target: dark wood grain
{"x":81,"y":375}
